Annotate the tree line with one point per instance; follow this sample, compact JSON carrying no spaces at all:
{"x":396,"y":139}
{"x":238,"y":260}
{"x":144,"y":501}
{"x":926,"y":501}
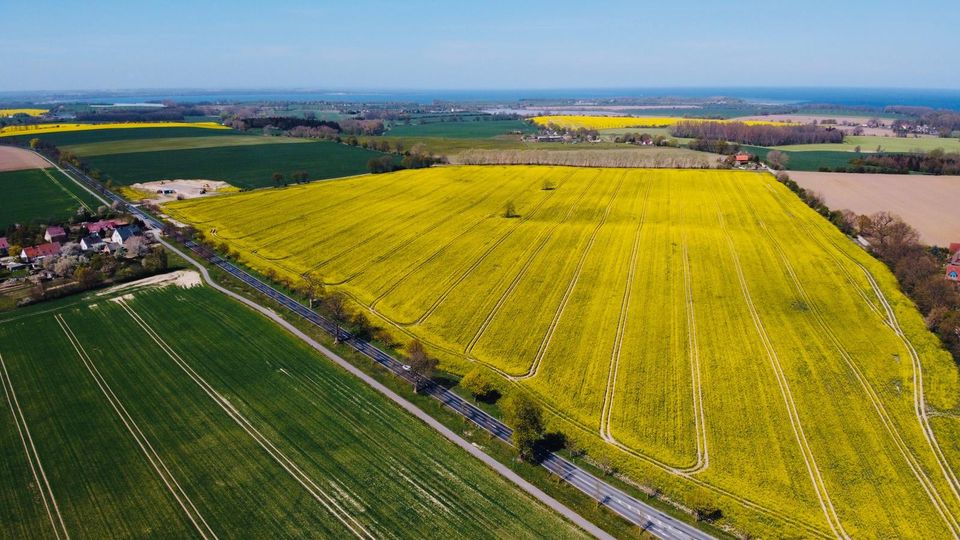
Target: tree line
{"x":759,"y":135}
{"x":936,"y":162}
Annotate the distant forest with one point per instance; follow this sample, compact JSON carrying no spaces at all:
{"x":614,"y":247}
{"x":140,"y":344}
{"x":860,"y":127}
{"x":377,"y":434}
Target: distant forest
{"x":759,"y":135}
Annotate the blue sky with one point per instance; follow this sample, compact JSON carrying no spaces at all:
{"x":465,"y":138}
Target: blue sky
{"x":48,"y":45}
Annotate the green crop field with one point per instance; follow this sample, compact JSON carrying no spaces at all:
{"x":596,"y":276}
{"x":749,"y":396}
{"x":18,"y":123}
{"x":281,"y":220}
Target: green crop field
{"x":701,"y":329}
{"x":174,"y":143}
{"x":466,"y":129}
{"x":180,"y":413}
{"x":66,"y":138}
{"x":886,"y":144}
{"x":808,"y":161}
{"x":40,"y":196}
{"x":242,"y":166}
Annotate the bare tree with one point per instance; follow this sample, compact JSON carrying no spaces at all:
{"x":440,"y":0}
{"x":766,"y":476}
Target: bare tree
{"x":335,"y":304}
{"x":421,"y":363}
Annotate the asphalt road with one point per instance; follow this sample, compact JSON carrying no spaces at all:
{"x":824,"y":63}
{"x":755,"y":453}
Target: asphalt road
{"x":652,"y":520}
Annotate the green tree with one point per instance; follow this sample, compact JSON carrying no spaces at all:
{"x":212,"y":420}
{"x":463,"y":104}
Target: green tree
{"x":479,"y":383}
{"x":277,"y":178}
{"x":34,"y":143}
{"x":525,"y":416}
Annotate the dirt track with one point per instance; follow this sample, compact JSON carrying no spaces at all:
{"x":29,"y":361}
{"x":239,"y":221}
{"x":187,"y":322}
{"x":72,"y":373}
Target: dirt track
{"x":15,"y":159}
{"x":928,"y":203}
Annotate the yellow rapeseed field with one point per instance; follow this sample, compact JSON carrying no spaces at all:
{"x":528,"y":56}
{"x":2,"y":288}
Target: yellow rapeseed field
{"x":620,"y":122}
{"x":703,"y":330}
{"x":29,"y":112}
{"x":37,"y":129}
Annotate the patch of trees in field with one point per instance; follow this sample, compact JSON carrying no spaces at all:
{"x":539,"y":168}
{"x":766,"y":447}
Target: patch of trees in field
{"x":647,"y":157}
{"x":918,"y":268}
{"x":936,"y":162}
{"x":759,"y":135}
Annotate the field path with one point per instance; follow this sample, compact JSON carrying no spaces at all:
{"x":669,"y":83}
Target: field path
{"x":325,"y":499}
{"x":33,"y":457}
{"x":813,"y":470}
{"x":173,"y":486}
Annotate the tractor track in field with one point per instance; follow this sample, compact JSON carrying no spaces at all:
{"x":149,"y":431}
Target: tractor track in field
{"x":325,"y":499}
{"x":544,"y":240}
{"x":67,"y":191}
{"x":809,"y":459}
{"x":417,"y":266}
{"x":914,"y":464}
{"x":301,"y":216}
{"x":613,"y":369}
{"x":503,"y":238}
{"x":153,"y":458}
{"x":890,"y":319}
{"x":40,"y":479}
{"x":548,"y":336}
{"x":417,"y":235}
{"x":339,"y":232}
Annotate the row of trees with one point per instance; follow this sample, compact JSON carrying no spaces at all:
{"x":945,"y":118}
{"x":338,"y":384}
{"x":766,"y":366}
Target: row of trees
{"x":759,"y":135}
{"x":936,"y":161}
{"x":654,"y":157}
{"x":646,"y":138}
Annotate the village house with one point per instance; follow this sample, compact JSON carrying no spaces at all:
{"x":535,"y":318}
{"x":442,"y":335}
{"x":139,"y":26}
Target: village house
{"x":952,"y":271}
{"x":55,"y":234}
{"x":123,"y":232}
{"x":98,"y":227}
{"x":38,"y":253}
{"x":91,"y":242}
{"x":741,"y":158}
{"x":4,"y":246}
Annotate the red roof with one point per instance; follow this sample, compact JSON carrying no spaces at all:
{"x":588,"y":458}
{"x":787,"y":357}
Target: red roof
{"x":98,"y":226}
{"x":56,"y":231}
{"x":43,"y":250}
{"x":742,"y":156}
{"x":954,"y":247}
{"x":3,"y":243}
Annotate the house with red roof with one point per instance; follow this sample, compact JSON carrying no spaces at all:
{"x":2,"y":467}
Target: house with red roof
{"x":952,"y":271}
{"x":36,"y":253}
{"x":4,"y":246}
{"x":741,"y":158}
{"x":55,"y":234}
{"x":97,"y":227}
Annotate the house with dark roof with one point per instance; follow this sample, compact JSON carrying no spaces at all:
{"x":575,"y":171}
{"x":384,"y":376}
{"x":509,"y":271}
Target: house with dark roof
{"x":55,"y":234}
{"x":91,"y":242}
{"x":123,"y":232}
{"x":37,"y":253}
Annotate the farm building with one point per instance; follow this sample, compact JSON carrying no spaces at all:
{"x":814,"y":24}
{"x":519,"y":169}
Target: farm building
{"x":741,"y":158}
{"x":36,"y":253}
{"x":55,"y":234}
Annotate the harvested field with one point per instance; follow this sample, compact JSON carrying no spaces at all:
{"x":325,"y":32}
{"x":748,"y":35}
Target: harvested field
{"x":15,"y":159}
{"x":177,"y":412}
{"x":928,"y":203}
{"x":700,"y":329}
{"x":182,"y":189}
